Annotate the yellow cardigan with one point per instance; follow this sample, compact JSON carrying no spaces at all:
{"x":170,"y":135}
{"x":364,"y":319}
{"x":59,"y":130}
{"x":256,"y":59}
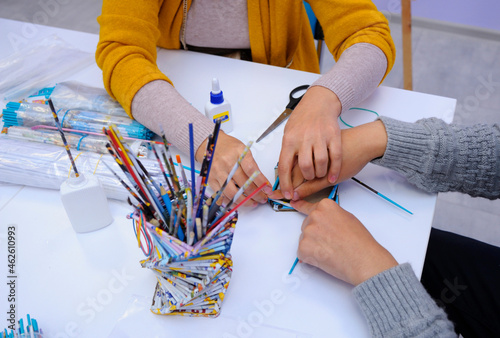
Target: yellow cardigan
{"x":280,"y":35}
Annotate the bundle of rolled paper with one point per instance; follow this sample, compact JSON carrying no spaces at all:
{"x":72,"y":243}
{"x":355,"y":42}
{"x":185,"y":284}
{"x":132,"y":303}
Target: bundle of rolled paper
{"x":35,"y":114}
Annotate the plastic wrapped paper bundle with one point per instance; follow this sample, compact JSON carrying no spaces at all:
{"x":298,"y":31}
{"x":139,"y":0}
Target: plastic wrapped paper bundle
{"x":34,"y":114}
{"x":78,"y":141}
{"x":47,"y":166}
{"x":76,"y":95}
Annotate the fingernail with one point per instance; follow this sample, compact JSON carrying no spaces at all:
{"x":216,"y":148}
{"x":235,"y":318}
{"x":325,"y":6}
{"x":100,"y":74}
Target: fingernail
{"x":267,"y":189}
{"x":296,"y":196}
{"x":287,"y":195}
{"x":332,"y":178}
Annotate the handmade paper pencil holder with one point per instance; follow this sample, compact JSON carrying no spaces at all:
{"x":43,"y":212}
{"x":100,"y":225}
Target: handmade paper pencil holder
{"x":191,"y":280}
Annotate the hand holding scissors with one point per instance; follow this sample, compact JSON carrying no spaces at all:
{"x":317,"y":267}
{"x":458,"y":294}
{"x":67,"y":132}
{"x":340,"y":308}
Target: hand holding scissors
{"x":312,"y":141}
{"x":288,"y":110}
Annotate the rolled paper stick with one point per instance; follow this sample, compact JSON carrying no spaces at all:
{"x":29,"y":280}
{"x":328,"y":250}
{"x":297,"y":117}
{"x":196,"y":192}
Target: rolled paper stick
{"x":166,"y":199}
{"x":169,"y":158}
{"x":239,"y":193}
{"x":162,"y":169}
{"x":198,"y":227}
{"x":381,"y":195}
{"x":173,"y":248}
{"x":130,"y":167}
{"x":144,"y":176}
{"x":164,"y":234}
{"x":128,"y":174}
{"x":189,"y":226}
{"x":183,"y":173}
{"x":40,"y":126}
{"x":293,"y":266}
{"x":216,"y":226}
{"x":203,"y":174}
{"x":191,"y":152}
{"x":205,"y":220}
{"x":176,"y":225}
{"x":333,"y":192}
{"x":275,"y":185}
{"x":209,"y":164}
{"x":66,"y":146}
{"x":141,"y":202}
{"x":231,"y":173}
{"x":283,"y":203}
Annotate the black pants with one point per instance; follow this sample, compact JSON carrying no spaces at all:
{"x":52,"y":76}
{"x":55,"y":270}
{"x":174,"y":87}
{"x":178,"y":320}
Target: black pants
{"x":463,"y":276}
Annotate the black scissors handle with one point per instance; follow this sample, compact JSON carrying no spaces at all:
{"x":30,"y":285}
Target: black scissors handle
{"x":295,"y":100}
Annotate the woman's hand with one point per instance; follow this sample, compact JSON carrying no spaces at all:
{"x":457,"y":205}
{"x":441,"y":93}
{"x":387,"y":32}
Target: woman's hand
{"x":360,"y":145}
{"x":311,"y":140}
{"x":335,"y":241}
{"x":227,"y":151}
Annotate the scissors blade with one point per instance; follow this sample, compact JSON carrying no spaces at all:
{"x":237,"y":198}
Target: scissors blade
{"x":276,"y":123}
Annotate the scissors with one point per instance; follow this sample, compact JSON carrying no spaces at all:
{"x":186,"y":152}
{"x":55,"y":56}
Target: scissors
{"x":289,"y":108}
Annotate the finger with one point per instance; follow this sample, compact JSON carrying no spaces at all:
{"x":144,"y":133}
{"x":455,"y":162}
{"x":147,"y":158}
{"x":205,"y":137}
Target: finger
{"x":248,"y":191}
{"x":306,"y":163}
{"x":262,"y":195}
{"x":230,"y":190}
{"x":335,"y":153}
{"x":297,"y":178}
{"x":303,"y":206}
{"x":320,"y":160}
{"x":306,"y":222}
{"x":284,"y":172}
{"x":238,"y":181}
{"x":276,"y":195}
{"x":224,"y":201}
{"x":248,"y":167}
{"x":310,"y":187}
{"x":214,"y":183}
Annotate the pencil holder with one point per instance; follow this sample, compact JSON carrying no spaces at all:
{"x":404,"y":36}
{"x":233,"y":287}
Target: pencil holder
{"x":185,"y":236}
{"x":191,"y":280}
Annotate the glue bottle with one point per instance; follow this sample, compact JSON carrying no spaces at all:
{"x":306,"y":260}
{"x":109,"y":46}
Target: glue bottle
{"x":217,"y":107}
{"x":85,"y":203}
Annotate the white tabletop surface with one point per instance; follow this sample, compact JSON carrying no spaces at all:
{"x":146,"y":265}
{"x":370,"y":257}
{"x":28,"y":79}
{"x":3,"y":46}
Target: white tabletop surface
{"x":92,"y":285}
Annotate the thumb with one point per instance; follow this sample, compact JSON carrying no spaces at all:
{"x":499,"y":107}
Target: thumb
{"x":310,"y":187}
{"x":303,"y":206}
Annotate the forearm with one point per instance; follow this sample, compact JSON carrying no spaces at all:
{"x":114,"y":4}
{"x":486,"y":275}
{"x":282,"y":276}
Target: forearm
{"x":395,"y":304}
{"x":439,"y":157}
{"x":158,"y":103}
{"x":356,"y":75}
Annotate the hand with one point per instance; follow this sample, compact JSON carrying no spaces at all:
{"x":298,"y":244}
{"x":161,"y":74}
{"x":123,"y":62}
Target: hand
{"x":335,"y":241}
{"x":311,"y":139}
{"x":360,"y":145}
{"x":227,"y":151}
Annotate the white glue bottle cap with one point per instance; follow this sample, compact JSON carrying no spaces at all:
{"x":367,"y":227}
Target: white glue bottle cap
{"x":85,"y":203}
{"x":219,"y":108}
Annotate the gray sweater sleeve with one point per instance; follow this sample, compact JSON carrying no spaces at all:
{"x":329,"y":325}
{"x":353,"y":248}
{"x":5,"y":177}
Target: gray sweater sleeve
{"x":395,"y":304}
{"x":440,"y":157}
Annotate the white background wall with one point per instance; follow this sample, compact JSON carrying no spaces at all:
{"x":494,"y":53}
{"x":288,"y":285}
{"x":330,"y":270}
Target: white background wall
{"x":479,"y":13}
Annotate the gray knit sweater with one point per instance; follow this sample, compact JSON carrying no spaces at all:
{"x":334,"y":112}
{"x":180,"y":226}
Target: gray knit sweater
{"x":436,"y":157}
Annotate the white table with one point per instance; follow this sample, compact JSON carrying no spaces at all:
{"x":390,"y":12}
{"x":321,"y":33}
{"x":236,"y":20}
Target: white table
{"x":92,"y":284}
